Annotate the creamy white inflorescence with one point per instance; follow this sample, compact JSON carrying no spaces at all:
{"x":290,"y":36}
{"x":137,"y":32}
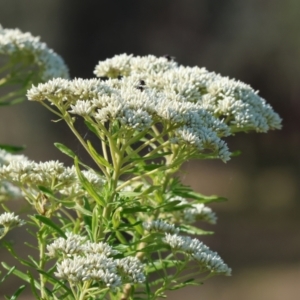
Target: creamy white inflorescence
{"x":195,"y":108}
{"x":27,"y":49}
{"x":7,"y":190}
{"x":208,"y":259}
{"x":160,"y":226}
{"x":10,"y":220}
{"x":50,"y":174}
{"x":233,"y":101}
{"x":84,"y":260}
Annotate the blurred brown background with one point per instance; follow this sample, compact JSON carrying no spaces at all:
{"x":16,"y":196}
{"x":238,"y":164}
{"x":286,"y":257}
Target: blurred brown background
{"x":255,"y":41}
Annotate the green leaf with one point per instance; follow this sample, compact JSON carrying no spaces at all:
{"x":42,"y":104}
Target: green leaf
{"x":54,"y":280}
{"x":169,"y":206}
{"x":159,"y":246}
{"x":97,"y":157}
{"x":13,"y":253}
{"x":190,"y":229}
{"x":64,"y":149}
{"x":135,"y":209}
{"x":81,"y":209}
{"x":158,"y":155}
{"x":189,"y":193}
{"x":88,"y":186}
{"x":183,"y":284}
{"x":49,"y":223}
{"x":86,"y":218}
{"x":91,"y":127}
{"x":21,"y":275}
{"x":18,"y":292}
{"x":12,"y":149}
{"x":129,"y":194}
{"x":10,"y":271}
{"x":161,"y":264}
{"x":95,"y":223}
{"x":33,"y":286}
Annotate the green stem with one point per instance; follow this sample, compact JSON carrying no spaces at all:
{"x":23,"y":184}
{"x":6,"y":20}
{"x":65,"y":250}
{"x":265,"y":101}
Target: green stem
{"x":69,"y":122}
{"x":42,"y":261}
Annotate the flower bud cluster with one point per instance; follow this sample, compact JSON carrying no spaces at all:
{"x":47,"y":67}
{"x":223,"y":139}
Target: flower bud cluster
{"x":8,"y":190}
{"x":81,"y":260}
{"x":160,"y":226}
{"x":25,"y":48}
{"x":8,"y":221}
{"x":208,"y":260}
{"x":51,"y":174}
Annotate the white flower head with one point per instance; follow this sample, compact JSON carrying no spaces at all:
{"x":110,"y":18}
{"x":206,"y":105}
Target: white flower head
{"x":132,"y":269}
{"x":25,"y":48}
{"x":207,"y":259}
{"x":10,"y":220}
{"x":72,"y":245}
{"x":160,"y":226}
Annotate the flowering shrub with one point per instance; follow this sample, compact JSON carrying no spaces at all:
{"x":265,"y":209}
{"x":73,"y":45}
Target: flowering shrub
{"x":122,"y":230}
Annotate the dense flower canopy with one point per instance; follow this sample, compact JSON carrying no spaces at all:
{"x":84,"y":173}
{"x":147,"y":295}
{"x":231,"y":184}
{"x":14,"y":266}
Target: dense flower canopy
{"x":195,"y":108}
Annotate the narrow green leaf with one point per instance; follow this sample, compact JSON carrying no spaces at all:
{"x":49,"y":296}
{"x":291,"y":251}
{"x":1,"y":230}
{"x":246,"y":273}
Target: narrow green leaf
{"x":190,"y":229}
{"x":20,"y":274}
{"x":10,"y":271}
{"x":86,"y":218}
{"x":95,"y":223}
{"x":11,"y":148}
{"x":64,"y":149}
{"x":13,"y":253}
{"x":88,"y":186}
{"x":158,"y":155}
{"x":135,"y":209}
{"x":54,"y":280}
{"x":82,"y":210}
{"x":154,"y":248}
{"x":197,"y":196}
{"x":97,"y":157}
{"x":18,"y":292}
{"x":169,"y":206}
{"x":33,"y":286}
{"x":49,"y":223}
{"x":91,"y":127}
{"x":161,"y":264}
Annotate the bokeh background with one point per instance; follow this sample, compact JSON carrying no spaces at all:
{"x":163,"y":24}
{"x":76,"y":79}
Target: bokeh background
{"x":255,"y":41}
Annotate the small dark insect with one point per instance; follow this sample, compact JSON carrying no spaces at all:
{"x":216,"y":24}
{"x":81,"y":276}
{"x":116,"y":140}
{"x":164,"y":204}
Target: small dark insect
{"x":120,"y":77}
{"x":169,"y":57}
{"x":141,"y":85}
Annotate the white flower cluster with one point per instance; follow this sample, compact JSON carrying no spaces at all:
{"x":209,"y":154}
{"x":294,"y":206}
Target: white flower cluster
{"x":137,"y":109}
{"x":27,"y":48}
{"x":208,"y":259}
{"x":131,"y":269}
{"x":7,"y":190}
{"x":10,"y":220}
{"x":126,"y":65}
{"x":84,"y":260}
{"x":199,"y":212}
{"x":193,"y":212}
{"x":189,"y":212}
{"x":50,"y":174}
{"x":235,"y":102}
{"x":6,"y":157}
{"x":197,"y":108}
{"x":75,"y":244}
{"x":160,"y":226}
